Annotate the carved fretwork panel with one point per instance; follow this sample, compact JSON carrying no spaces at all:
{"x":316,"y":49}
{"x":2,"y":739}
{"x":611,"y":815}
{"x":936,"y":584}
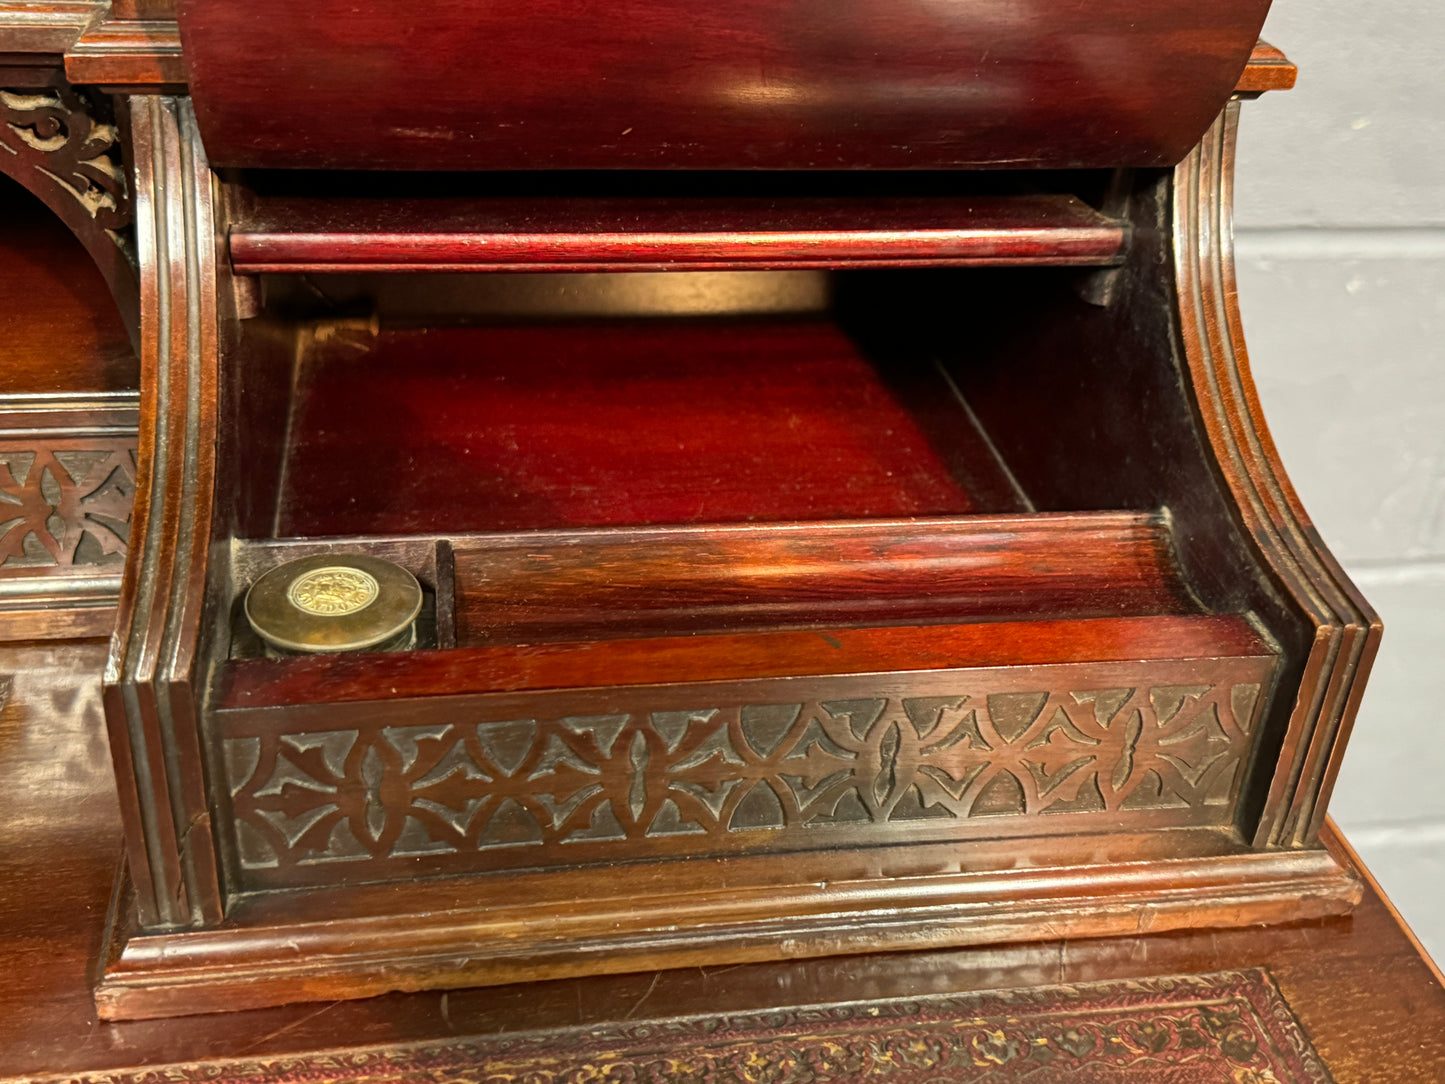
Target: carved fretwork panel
{"x":57,"y":129}
{"x":371,"y":802}
{"x":64,"y":146}
{"x":65,"y":503}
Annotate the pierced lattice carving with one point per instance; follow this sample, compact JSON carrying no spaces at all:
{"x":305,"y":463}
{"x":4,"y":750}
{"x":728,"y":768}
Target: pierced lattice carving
{"x":66,"y":504}
{"x":530,"y":791}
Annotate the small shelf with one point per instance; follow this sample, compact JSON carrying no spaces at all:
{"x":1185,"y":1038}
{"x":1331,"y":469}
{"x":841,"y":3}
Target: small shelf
{"x":311,"y":235}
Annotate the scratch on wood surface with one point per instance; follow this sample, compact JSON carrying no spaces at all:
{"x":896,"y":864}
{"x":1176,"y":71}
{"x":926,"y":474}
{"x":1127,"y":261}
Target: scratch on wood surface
{"x":647,"y":994}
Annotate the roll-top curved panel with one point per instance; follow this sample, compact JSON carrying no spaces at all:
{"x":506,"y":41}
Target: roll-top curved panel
{"x":772,"y":84}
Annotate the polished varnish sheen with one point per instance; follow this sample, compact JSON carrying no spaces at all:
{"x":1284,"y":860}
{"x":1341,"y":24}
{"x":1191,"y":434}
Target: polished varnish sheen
{"x":586,"y":424}
{"x":777,"y":84}
{"x":1053,"y":652}
{"x":566,"y":585}
{"x":425,"y":234}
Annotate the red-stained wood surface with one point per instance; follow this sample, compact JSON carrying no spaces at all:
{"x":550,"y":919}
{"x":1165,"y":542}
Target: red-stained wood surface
{"x":583,"y":425}
{"x":59,"y":329}
{"x":577,"y":84}
{"x":319,"y":235}
{"x":599,"y":666}
{"x":568,"y":586}
{"x":1268,"y":69}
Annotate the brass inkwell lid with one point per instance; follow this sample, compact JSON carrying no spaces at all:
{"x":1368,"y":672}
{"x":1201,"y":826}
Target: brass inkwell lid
{"x":333,"y":602}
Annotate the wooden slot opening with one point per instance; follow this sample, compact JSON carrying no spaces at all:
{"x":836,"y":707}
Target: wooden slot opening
{"x":704,"y":221}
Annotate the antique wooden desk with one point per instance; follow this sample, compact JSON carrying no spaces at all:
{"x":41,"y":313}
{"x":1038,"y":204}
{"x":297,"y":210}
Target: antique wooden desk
{"x":1371,"y":1002}
{"x":824,"y":440}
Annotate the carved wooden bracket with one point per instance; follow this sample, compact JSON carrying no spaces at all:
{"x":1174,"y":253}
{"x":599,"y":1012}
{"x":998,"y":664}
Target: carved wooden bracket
{"x":80,"y":153}
{"x":66,"y":149}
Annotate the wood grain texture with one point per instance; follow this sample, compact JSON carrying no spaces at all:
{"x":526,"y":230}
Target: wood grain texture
{"x":312,"y":683}
{"x":882,"y":84}
{"x":583,"y":424}
{"x":582,"y":235}
{"x":149,"y":712}
{"x":128,"y":55}
{"x":1268,"y":69}
{"x":574,"y":585}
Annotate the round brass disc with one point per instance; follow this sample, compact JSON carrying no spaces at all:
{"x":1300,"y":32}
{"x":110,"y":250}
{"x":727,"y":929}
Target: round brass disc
{"x":333,"y":602}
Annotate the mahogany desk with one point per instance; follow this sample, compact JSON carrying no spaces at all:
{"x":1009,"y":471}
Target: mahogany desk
{"x":1369,"y":997}
{"x":1036,"y":502}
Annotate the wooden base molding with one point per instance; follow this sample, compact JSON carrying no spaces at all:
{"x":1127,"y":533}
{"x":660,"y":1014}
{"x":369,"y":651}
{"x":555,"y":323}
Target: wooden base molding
{"x":322,"y":948}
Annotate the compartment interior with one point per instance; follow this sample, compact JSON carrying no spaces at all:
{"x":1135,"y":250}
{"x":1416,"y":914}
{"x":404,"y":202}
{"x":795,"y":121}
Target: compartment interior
{"x":656,"y":454}
{"x":592,"y":423}
{"x":446,"y":404}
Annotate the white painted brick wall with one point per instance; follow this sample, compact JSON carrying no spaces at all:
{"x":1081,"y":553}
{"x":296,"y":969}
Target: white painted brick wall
{"x":1341,"y":213}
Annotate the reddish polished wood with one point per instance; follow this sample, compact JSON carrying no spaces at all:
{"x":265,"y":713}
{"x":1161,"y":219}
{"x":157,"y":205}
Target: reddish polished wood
{"x":1369,"y":999}
{"x":575,"y":585}
{"x":569,"y":84}
{"x":138,"y":46}
{"x":597,"y":424}
{"x":579,"y":235}
{"x":259,"y":683}
{"x":59,"y":328}
{"x":126,"y":55}
{"x":1268,"y":69}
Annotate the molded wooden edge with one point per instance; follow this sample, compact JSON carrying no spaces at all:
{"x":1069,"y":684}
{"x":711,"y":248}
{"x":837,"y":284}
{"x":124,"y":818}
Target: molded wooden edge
{"x":186,"y":973}
{"x":145,"y":54}
{"x":156,"y":747}
{"x":1268,"y":69}
{"x":39,"y":33}
{"x":128,"y":56}
{"x":79,"y":414}
{"x":1347,"y":631}
{"x":75,"y":603}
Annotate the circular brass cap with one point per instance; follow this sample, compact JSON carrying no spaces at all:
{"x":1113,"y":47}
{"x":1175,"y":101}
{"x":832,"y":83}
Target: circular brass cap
{"x":333,"y":602}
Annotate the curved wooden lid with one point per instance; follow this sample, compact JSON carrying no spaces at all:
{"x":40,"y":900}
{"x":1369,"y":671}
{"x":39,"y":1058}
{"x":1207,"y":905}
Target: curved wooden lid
{"x":772,"y":84}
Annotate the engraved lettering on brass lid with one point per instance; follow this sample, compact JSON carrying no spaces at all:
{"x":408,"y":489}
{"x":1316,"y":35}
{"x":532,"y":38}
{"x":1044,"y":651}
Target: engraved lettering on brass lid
{"x":333,"y":602}
{"x":333,"y":591}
